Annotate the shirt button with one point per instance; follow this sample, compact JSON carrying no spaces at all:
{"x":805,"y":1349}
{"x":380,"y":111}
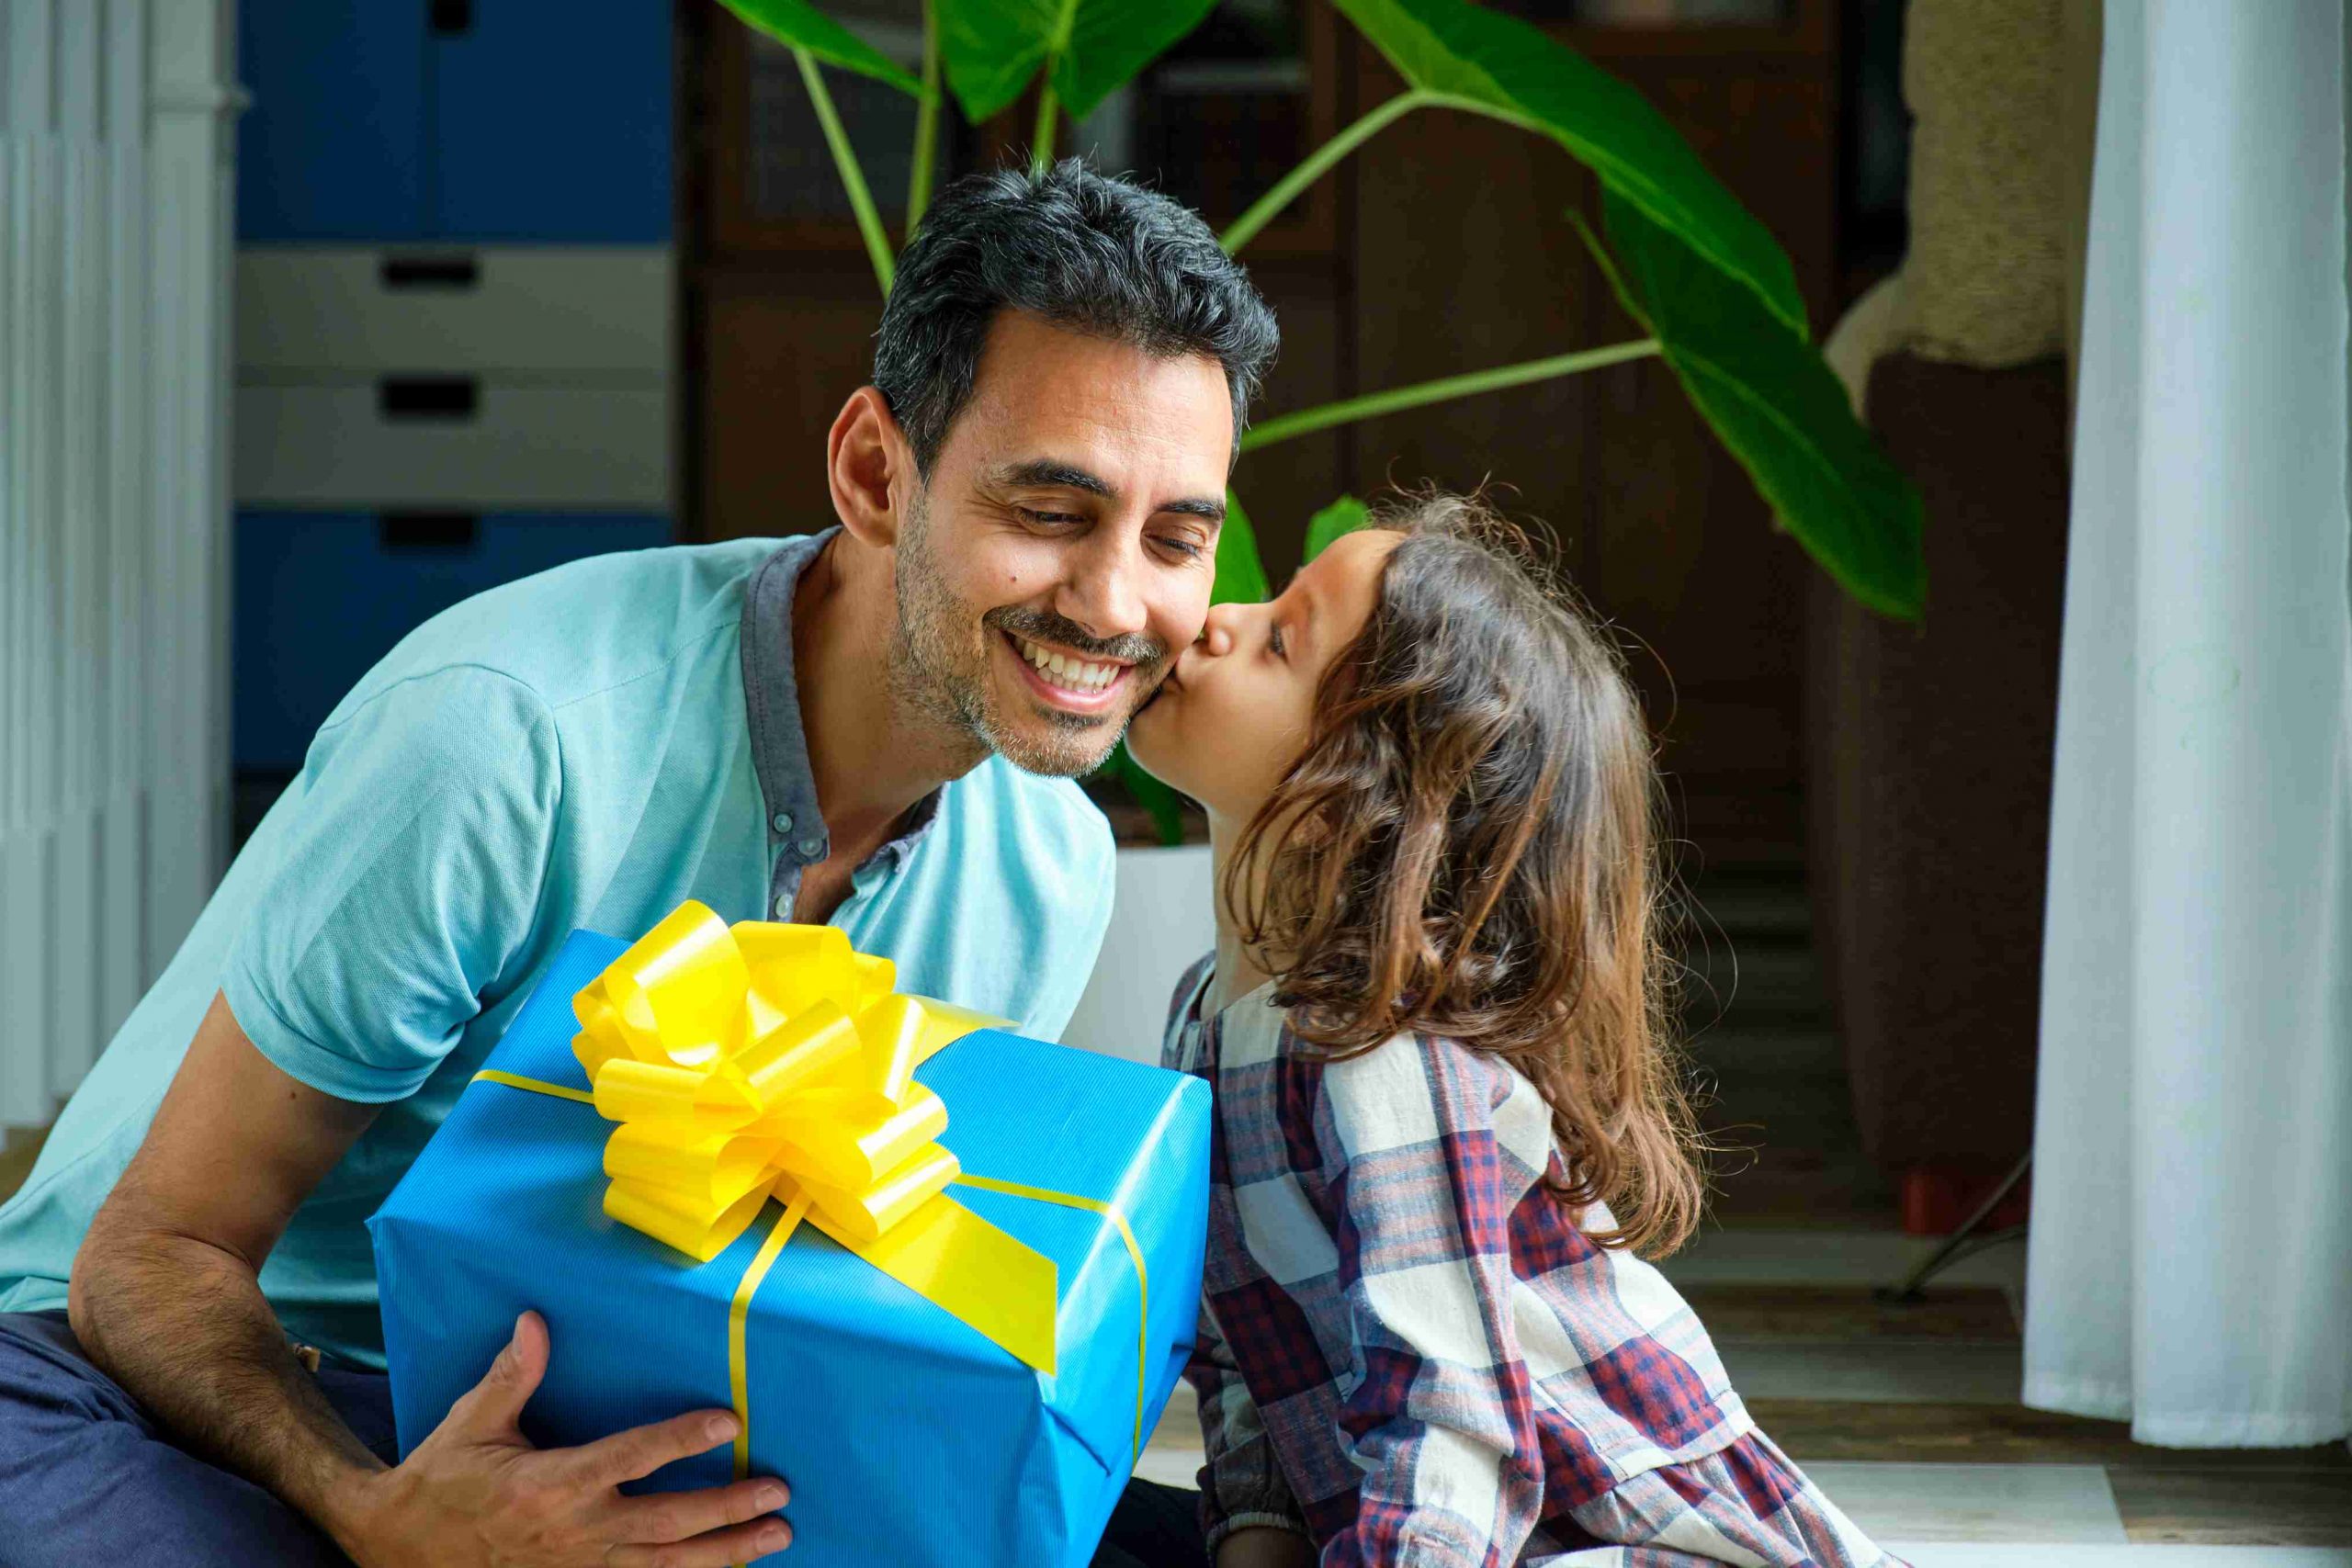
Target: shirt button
{"x":783,"y":906}
{"x":781,"y":821}
{"x":812,"y":849}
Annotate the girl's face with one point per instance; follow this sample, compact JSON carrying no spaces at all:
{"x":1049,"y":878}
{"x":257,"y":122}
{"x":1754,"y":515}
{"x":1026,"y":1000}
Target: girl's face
{"x":1239,"y":707}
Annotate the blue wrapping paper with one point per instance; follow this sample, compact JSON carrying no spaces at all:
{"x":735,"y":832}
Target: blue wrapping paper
{"x":908,"y":1438}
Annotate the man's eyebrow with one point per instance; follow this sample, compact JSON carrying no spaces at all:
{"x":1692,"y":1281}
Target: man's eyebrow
{"x":1045,"y":471}
{"x":1068,"y":476}
{"x":1210,"y":507}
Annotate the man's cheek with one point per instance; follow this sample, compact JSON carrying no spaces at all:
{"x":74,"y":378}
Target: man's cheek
{"x":1179,"y":628}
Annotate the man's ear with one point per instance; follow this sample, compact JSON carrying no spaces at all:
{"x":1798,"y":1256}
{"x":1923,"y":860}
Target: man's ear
{"x":870,"y":469}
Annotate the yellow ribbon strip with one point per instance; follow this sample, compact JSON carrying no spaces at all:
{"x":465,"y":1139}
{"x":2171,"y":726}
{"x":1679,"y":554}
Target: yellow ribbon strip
{"x":1134,"y":1254}
{"x":738,"y":1312}
{"x":537,"y":1086}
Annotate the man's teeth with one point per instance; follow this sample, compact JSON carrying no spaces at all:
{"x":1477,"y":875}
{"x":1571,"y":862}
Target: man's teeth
{"x":1071,"y":674}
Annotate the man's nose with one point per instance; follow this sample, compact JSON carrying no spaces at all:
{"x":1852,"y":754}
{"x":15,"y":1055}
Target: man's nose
{"x":1103,"y":589}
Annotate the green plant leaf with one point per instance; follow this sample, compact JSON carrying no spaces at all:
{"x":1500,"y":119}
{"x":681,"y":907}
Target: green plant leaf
{"x":1241,"y":576}
{"x":1481,"y":60}
{"x":1344,"y":515}
{"x":1775,"y":403}
{"x":797,"y":23}
{"x":995,"y":48}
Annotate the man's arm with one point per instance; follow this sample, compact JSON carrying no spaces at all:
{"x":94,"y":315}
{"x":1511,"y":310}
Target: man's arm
{"x":167,"y":1298}
{"x":166,"y":1293}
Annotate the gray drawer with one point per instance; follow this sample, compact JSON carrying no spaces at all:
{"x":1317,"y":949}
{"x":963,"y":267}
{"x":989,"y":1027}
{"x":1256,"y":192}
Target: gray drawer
{"x":453,"y":441}
{"x":308,"y":310}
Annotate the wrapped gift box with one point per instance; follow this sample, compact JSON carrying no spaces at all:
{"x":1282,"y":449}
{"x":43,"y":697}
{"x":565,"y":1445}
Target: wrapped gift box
{"x":909,"y":1439}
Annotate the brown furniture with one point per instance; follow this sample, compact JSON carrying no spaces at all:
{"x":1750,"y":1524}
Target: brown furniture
{"x":1929,"y":748}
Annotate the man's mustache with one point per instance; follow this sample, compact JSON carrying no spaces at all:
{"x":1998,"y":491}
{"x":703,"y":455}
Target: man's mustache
{"x":1043,"y":626}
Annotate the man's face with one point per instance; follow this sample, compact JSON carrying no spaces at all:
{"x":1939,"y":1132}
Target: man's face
{"x":1062,"y":551}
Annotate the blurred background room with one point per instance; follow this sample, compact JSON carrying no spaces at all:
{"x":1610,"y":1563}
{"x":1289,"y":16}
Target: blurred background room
{"x":321,"y":315}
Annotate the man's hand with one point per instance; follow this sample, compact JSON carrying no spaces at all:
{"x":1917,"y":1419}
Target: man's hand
{"x":477,"y":1492}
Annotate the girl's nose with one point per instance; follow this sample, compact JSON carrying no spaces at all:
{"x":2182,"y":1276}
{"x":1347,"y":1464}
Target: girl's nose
{"x":1218,"y":631}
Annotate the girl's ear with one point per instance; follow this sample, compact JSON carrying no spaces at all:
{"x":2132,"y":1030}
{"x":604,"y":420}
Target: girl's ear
{"x":870,"y":469}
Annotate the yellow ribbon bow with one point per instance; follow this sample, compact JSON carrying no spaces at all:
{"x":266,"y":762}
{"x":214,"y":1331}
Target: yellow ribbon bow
{"x":764,"y":1059}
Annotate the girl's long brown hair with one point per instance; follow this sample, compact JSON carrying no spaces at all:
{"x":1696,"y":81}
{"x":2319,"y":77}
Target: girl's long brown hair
{"x":1466,"y":848}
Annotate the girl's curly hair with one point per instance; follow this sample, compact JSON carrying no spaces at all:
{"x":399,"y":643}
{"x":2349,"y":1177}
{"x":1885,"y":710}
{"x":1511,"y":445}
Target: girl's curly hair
{"x":1466,"y":848}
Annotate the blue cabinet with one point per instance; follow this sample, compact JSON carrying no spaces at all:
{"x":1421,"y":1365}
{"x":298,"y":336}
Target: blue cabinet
{"x":321,"y":596}
{"x":551,"y":123}
{"x":334,"y":144}
{"x":465,"y":121}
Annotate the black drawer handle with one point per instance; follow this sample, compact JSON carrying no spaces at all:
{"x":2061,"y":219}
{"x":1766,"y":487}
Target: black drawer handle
{"x":428,"y":530}
{"x":451,"y":16}
{"x":455,"y":272}
{"x":451,"y":398}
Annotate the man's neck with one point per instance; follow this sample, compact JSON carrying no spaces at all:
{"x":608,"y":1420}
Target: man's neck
{"x":870,"y":757}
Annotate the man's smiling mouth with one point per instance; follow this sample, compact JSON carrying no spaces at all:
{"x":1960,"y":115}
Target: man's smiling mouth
{"x":1067,"y":672}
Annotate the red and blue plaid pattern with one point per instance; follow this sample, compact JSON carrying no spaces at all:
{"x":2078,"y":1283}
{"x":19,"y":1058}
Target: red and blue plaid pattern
{"x":1413,"y":1354}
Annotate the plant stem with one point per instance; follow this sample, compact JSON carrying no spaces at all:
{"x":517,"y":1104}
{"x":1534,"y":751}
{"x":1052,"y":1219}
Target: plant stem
{"x":1245,"y":227}
{"x":1041,"y":143}
{"x":926,"y":124}
{"x":1443,"y":389}
{"x":861,"y":201}
{"x":1318,"y":162}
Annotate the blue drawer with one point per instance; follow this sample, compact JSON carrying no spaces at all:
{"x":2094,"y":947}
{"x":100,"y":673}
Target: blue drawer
{"x":335,"y":145}
{"x":321,"y":596}
{"x":476,"y":121}
{"x":552,"y":123}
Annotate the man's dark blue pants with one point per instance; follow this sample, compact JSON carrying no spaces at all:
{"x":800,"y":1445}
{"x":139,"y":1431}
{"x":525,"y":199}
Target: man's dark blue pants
{"x":85,"y":1478}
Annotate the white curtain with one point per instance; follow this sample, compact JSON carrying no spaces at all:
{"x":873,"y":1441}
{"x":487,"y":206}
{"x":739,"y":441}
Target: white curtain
{"x":115,"y":125}
{"x":2191,"y":1257}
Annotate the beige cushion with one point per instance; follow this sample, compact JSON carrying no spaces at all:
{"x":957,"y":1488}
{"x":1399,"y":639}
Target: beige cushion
{"x":1985,"y":281}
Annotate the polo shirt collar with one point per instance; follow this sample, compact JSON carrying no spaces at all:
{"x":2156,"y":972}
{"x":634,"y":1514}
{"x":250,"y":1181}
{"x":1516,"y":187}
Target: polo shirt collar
{"x":797,"y":835}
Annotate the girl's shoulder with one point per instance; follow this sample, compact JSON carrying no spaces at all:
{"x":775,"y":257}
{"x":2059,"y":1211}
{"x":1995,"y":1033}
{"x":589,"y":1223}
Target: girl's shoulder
{"x":1411,"y":1089}
{"x":1416,"y":1087}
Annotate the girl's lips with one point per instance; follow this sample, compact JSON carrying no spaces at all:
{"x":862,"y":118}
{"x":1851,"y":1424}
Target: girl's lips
{"x":1100,"y":700}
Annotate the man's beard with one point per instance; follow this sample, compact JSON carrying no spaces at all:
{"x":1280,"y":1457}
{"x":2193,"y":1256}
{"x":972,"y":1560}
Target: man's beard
{"x":939,"y":670}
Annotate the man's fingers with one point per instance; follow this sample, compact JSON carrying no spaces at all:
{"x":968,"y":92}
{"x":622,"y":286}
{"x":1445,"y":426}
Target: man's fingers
{"x":496,"y":1403}
{"x":681,"y":1516}
{"x":640,"y":1451}
{"x":720,"y":1548}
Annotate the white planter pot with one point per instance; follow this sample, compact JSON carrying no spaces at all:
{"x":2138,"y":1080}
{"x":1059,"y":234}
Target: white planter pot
{"x":1160,"y":922}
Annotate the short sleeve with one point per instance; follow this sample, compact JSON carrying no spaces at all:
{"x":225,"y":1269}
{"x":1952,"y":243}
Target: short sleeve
{"x":405,"y":879}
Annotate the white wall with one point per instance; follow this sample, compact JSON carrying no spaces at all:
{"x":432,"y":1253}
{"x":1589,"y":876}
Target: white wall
{"x":115,"y":126}
{"x":1161,"y":923}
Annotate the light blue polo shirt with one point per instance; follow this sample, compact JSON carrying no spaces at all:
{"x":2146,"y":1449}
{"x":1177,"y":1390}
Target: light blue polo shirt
{"x":586,"y":748}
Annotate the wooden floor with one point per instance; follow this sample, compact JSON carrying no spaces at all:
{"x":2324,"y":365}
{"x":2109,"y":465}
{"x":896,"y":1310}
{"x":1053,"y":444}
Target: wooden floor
{"x":1764,"y":1042}
{"x":2235,"y":1496}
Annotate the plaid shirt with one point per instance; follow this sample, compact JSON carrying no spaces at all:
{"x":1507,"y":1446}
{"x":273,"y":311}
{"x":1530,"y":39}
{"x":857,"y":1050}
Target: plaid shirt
{"x":1412,"y":1353}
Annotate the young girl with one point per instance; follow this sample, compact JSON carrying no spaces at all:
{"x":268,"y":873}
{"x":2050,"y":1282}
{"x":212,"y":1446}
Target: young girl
{"x":1446,"y":1115}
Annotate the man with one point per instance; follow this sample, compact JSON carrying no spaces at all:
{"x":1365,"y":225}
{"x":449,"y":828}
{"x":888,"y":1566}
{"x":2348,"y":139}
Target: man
{"x":875,"y":726}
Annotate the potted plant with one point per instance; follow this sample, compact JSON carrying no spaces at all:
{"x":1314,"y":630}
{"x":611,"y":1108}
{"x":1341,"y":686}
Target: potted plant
{"x":1711,"y":291}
